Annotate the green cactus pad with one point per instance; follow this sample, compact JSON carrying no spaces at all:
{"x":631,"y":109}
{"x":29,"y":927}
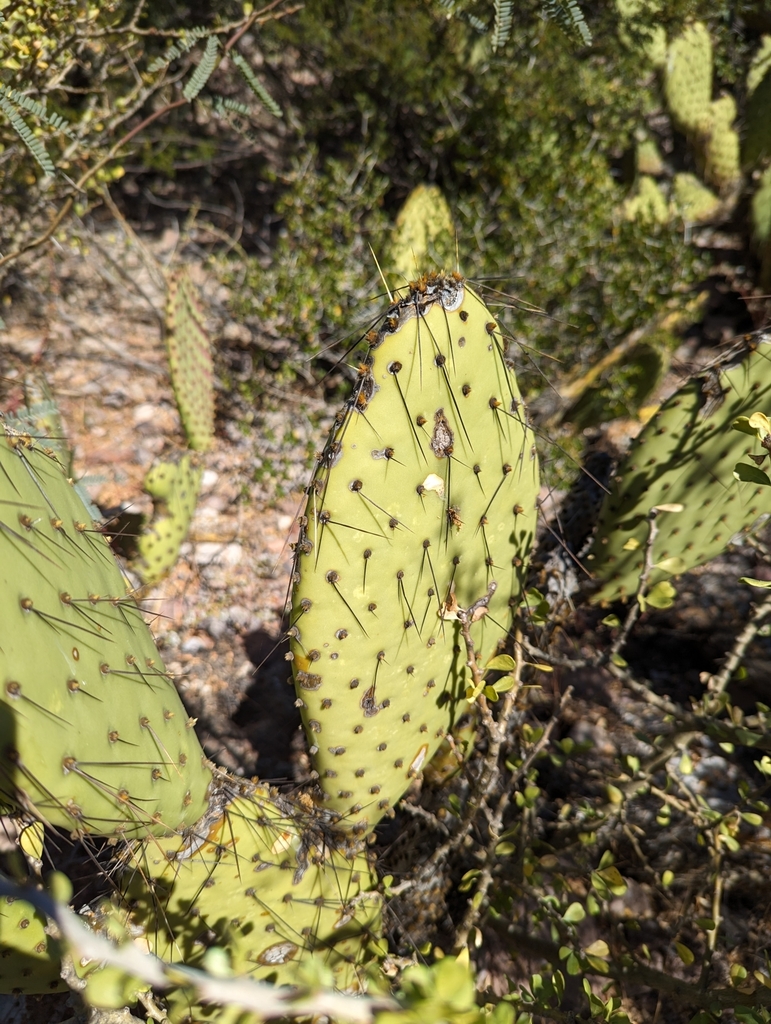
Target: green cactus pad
{"x":761,"y":209}
{"x":174,"y":489}
{"x":649,"y":206}
{"x":424,"y":233}
{"x":685,"y":456}
{"x":190,"y":360}
{"x":721,"y":148}
{"x":270,"y":884}
{"x":756,"y":146}
{"x":649,"y":159}
{"x":423,"y":496}
{"x":93,"y":736}
{"x":694,"y":201}
{"x":760,"y":64}
{"x":29,"y":959}
{"x":688,"y":79}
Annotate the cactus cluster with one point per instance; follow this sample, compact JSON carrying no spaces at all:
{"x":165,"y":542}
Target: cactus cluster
{"x":94,"y":741}
{"x":420,"y":514}
{"x":683,"y":459}
{"x":423,"y":502}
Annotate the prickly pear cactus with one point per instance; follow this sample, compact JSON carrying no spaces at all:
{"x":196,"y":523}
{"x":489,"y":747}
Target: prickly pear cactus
{"x":688,"y":79}
{"x":721,"y":147}
{"x":685,"y":456}
{"x":423,"y":498}
{"x":173,"y":487}
{"x":29,"y":958}
{"x":757,"y":123}
{"x":272,"y":883}
{"x":424,"y":232}
{"x":649,"y":205}
{"x":190,"y":360}
{"x":93,"y":737}
{"x":694,"y":201}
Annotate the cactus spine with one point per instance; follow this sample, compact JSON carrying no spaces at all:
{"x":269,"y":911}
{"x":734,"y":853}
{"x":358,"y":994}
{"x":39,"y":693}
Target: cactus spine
{"x":422,"y":502}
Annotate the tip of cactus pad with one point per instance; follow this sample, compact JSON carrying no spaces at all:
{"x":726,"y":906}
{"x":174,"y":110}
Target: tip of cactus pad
{"x":423,"y":497}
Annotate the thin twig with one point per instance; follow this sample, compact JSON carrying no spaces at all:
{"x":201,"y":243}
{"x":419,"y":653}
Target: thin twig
{"x":716,"y":684}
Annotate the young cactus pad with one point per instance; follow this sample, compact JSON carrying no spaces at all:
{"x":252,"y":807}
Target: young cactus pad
{"x":190,"y":360}
{"x":173,"y":487}
{"x":423,"y":498}
{"x":272,"y":885}
{"x":685,"y":456}
{"x":93,"y":736}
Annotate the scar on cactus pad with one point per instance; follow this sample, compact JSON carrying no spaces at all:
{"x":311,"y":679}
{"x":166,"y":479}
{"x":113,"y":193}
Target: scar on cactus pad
{"x":422,"y":502}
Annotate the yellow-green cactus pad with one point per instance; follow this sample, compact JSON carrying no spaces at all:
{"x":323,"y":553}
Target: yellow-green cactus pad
{"x":29,"y":959}
{"x":423,"y":499}
{"x":686,"y":457}
{"x":688,"y":79}
{"x":649,"y":206}
{"x":757,"y":123}
{"x":424,"y":233}
{"x":271,"y":883}
{"x":93,"y":736}
{"x":694,"y":201}
{"x":173,"y":487}
{"x":190,"y":360}
{"x":721,"y":147}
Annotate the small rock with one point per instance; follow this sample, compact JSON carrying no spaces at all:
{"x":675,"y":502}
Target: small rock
{"x":215,"y":626}
{"x":144,"y":413}
{"x":211,"y":553}
{"x":209,"y":479}
{"x":195,"y":644}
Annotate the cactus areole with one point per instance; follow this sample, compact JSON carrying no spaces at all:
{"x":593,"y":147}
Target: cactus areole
{"x":423,"y":497}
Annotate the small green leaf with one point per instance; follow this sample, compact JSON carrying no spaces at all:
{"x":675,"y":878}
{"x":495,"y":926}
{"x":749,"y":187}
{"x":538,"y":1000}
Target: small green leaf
{"x":598,"y":948}
{"x":673,"y":565}
{"x":762,"y":584}
{"x":684,"y":953}
{"x":743,"y":424}
{"x":618,"y":661}
{"x":662,"y":595}
{"x":752,"y":819}
{"x":501,"y":663}
{"x":632,"y":544}
{"x":751,"y":474}
{"x":574,"y":913}
{"x":612,"y":621}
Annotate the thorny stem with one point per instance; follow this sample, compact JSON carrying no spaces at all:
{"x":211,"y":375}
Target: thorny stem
{"x":642,"y":585}
{"x":716,"y":684}
{"x":475,"y":904}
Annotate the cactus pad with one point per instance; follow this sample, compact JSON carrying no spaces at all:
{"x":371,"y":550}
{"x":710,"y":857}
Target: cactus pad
{"x":694,"y":201}
{"x":721,"y":147}
{"x":270,"y":885}
{"x":757,"y":123}
{"x":424,"y":232}
{"x":29,"y":958}
{"x":688,"y":79}
{"x":649,"y":206}
{"x":174,"y":490}
{"x":423,"y":497}
{"x":685,"y":456}
{"x":190,"y":360}
{"x":93,"y":736}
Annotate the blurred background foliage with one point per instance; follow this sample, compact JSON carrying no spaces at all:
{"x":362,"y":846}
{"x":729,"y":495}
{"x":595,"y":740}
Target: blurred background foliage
{"x":534,"y":145}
